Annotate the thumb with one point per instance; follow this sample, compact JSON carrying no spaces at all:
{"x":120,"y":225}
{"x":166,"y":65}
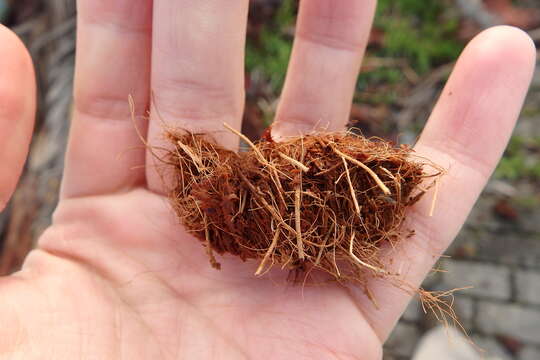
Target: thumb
{"x":17,"y":110}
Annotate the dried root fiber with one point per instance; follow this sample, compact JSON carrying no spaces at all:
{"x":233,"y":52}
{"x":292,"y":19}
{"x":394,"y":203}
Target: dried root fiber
{"x":329,"y":201}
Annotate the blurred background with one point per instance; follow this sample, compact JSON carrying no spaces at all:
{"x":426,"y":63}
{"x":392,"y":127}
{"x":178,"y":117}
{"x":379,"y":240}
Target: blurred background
{"x":412,"y":50}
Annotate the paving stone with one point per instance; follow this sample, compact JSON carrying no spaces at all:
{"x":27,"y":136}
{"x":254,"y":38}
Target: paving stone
{"x":431,"y":280}
{"x":492,"y":349}
{"x":535,"y":84}
{"x":488,"y":281}
{"x":413,"y":312}
{"x":512,"y":320}
{"x":529,"y":222}
{"x":528,"y":126}
{"x":464,"y":308}
{"x":529,"y":353}
{"x":389,"y":356}
{"x":403,"y":340}
{"x":505,"y":246}
{"x":486,"y":238}
{"x":445,"y":343}
{"x":528,"y":287}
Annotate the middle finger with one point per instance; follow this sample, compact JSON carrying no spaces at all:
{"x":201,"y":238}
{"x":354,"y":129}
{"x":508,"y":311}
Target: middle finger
{"x":197,"y":70}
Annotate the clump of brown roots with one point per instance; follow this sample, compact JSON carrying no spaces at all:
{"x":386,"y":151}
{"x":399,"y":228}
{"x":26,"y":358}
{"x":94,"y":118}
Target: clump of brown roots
{"x":329,"y":201}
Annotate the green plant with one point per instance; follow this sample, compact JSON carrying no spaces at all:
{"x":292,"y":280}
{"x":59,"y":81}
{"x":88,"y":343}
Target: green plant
{"x":422,"y":31}
{"x":520,"y":159}
{"x":270,"y":51}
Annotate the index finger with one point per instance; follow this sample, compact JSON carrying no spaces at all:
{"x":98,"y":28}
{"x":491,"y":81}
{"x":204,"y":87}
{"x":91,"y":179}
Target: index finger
{"x":17,"y":110}
{"x":466,"y":134}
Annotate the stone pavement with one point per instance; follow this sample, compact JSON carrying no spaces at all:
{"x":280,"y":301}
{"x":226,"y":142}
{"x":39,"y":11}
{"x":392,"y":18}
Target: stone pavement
{"x":498,"y":254}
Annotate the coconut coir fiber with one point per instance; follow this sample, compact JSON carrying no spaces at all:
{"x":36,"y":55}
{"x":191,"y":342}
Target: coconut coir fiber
{"x":329,"y":201}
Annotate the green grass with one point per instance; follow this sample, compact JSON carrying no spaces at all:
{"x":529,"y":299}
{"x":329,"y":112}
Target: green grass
{"x":270,"y":52}
{"x":423,"y":32}
{"x":521,"y":159}
{"x":527,"y":202}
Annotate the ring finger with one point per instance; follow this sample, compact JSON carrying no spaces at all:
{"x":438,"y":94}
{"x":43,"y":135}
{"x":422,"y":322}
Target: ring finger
{"x":330,"y":41}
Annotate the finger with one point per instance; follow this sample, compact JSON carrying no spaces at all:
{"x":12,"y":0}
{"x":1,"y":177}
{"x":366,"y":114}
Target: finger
{"x":330,"y":41}
{"x":197,"y":70}
{"x":104,"y":152}
{"x":466,"y":134}
{"x":17,"y":110}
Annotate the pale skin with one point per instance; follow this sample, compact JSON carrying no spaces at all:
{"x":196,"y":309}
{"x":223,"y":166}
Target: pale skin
{"x":115,"y":276}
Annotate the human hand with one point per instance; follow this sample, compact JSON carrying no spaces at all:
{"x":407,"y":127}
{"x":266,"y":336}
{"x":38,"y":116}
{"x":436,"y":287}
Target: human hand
{"x":115,"y":276}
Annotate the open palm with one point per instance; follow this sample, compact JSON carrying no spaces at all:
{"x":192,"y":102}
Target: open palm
{"x":116,"y":277}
